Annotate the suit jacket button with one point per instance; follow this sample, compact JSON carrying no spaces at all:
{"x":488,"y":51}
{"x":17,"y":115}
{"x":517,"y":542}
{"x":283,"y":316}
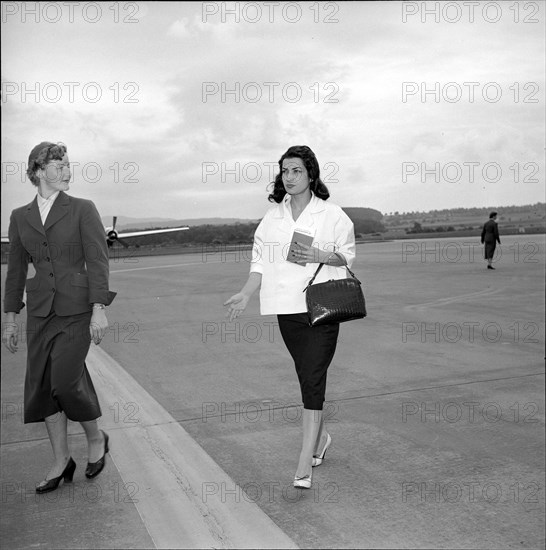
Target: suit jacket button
{"x":51,"y":274}
{"x":52,"y":290}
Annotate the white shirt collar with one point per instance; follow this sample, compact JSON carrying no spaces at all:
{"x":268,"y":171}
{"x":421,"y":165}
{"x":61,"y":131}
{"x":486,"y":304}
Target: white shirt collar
{"x":284,"y":210}
{"x":49,"y":200}
{"x":314,"y":205}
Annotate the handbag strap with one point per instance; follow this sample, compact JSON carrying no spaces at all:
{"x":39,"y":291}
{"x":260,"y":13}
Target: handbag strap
{"x":320,"y":267}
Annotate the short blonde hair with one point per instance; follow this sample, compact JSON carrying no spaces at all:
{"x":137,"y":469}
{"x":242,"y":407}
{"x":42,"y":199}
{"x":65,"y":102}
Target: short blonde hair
{"x":41,"y":155}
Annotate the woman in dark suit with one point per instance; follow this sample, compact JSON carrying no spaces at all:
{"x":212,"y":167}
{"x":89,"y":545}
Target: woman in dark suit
{"x":63,"y":237}
{"x":282,"y":271}
{"x":490,"y":237}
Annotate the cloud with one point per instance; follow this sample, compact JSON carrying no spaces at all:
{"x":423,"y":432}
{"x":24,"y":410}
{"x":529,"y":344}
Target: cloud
{"x":179,"y":28}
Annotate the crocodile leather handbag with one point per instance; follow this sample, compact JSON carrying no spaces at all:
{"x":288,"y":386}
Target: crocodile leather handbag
{"x":334,"y":301}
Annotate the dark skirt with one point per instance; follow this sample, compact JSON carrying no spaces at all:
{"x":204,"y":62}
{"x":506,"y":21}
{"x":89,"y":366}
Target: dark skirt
{"x":489,"y":249}
{"x":312,"y":349}
{"x":57,"y":378}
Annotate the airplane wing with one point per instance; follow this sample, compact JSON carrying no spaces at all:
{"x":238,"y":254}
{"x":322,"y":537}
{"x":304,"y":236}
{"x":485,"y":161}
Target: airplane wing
{"x":114,"y":235}
{"x":150,"y":232}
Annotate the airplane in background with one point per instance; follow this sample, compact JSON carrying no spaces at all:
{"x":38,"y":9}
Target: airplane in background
{"x":112,"y":235}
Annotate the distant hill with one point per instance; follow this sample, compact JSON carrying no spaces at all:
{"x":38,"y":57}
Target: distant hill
{"x":525,"y":214}
{"x":365,"y":220}
{"x":363,"y":214}
{"x":125,"y":222}
{"x":529,"y":219}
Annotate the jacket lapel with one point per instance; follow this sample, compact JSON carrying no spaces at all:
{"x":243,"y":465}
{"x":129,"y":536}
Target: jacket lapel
{"x":58,"y":211}
{"x":33,"y":216}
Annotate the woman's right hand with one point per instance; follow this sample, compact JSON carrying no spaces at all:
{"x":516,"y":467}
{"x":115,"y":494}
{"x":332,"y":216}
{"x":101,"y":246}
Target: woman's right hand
{"x":237,"y":304}
{"x":10,"y":336}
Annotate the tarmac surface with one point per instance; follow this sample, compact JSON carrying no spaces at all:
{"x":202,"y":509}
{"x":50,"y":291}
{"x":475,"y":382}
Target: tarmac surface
{"x":435,"y":404}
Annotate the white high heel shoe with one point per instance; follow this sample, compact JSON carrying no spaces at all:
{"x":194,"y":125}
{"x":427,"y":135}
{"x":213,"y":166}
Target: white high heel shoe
{"x":317,"y":459}
{"x":303,"y":482}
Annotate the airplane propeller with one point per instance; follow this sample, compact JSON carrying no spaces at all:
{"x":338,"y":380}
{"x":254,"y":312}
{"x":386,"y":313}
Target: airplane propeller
{"x":113,"y":235}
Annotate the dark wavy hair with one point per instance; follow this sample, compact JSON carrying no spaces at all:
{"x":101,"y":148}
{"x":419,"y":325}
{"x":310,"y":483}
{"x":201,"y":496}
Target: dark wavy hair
{"x":313,"y":170}
{"x":41,"y":155}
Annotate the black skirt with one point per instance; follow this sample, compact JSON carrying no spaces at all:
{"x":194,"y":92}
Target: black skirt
{"x":312,"y":349}
{"x":489,"y":249}
{"x":57,"y":378}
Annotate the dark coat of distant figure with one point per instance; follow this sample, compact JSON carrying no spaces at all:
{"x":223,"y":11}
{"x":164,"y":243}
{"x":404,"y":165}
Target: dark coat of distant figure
{"x":490,"y":237}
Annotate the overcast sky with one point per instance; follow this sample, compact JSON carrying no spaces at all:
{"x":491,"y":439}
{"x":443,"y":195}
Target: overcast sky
{"x":181,"y":110}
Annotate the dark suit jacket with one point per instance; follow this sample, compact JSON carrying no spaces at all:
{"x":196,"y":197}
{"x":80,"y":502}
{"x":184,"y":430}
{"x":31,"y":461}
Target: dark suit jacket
{"x":490,"y":232}
{"x":70,"y":256}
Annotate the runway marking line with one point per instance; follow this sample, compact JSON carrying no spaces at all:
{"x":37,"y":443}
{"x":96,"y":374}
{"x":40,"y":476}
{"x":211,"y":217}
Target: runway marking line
{"x":160,"y":267}
{"x":170,"y":470}
{"x":452,"y":299}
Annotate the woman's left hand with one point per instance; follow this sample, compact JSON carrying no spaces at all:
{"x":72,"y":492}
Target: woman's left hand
{"x":98,"y":325}
{"x":309,"y":254}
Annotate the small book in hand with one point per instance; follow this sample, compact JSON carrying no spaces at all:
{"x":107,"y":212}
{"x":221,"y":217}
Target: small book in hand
{"x":300,"y":236}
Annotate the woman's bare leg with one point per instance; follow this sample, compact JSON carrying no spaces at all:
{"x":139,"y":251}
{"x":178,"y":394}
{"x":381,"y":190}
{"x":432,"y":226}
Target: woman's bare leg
{"x":95,"y":440}
{"x":312,"y":421}
{"x":56,"y":425}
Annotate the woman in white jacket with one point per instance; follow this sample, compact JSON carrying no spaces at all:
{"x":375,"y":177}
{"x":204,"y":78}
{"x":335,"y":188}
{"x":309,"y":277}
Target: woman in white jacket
{"x":282,"y":271}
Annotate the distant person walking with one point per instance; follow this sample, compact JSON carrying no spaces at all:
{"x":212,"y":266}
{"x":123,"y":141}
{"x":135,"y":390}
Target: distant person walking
{"x":302,"y":205}
{"x":64,"y":238}
{"x":490,"y":238}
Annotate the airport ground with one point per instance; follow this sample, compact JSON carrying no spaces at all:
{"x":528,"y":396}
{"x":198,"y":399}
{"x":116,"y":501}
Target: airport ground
{"x":435,"y":404}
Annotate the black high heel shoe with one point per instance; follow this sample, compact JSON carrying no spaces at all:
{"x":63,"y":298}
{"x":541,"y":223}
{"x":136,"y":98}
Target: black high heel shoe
{"x":52,"y":484}
{"x":95,"y":468}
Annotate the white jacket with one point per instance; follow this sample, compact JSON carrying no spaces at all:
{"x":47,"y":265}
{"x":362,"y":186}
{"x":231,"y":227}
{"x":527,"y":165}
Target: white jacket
{"x":283,"y":282}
